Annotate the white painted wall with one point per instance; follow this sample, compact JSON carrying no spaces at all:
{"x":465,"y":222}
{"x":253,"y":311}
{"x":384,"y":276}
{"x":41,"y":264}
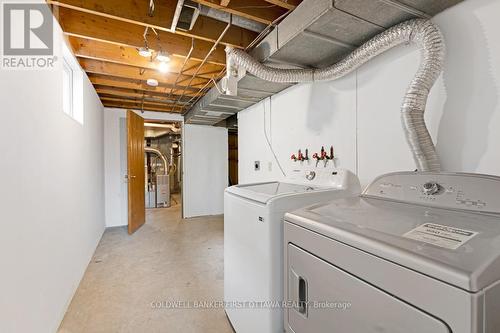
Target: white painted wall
{"x":359,"y":114}
{"x":51,"y":197}
{"x":115,"y":161}
{"x":205,"y":156}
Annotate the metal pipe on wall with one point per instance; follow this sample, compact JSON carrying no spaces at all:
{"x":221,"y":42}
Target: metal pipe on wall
{"x":423,"y":33}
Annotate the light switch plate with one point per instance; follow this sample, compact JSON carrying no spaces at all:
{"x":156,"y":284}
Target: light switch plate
{"x":256,"y":165}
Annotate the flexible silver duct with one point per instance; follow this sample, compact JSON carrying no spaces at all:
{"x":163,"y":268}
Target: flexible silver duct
{"x":160,"y":155}
{"x":420,"y":32}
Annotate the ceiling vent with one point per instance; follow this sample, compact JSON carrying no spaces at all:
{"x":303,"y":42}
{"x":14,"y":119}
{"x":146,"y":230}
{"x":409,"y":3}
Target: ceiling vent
{"x":186,"y":14}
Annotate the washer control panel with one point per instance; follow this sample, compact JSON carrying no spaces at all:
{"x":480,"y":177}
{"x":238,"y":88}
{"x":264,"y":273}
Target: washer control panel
{"x":466,"y":191}
{"x":329,"y":176}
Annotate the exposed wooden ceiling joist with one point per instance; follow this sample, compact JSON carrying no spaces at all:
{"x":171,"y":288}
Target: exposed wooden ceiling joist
{"x":130,"y":72}
{"x":105,"y":36}
{"x":256,"y":10}
{"x":89,"y":26}
{"x":139,"y":101}
{"x":124,"y":83}
{"x":146,"y":100}
{"x":139,"y":106}
{"x":135,"y":93}
{"x":120,"y":83}
{"x":288,"y":4}
{"x":125,"y":55}
{"x":135,"y":12}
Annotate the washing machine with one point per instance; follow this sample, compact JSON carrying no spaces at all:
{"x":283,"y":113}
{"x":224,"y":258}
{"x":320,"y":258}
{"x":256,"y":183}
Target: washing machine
{"x":253,"y":241}
{"x":416,"y":252}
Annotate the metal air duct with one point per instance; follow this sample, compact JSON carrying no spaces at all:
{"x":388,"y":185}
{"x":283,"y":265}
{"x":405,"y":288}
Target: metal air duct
{"x":421,"y":32}
{"x":236,"y":20}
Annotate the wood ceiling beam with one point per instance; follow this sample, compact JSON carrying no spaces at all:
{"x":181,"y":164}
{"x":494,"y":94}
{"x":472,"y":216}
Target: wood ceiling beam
{"x":165,"y":102}
{"x":94,"y":27}
{"x":138,"y":106}
{"x":135,"y":93}
{"x":135,"y":12}
{"x":140,"y":85}
{"x":256,"y":10}
{"x":135,"y":73}
{"x":117,"y":82}
{"x":224,"y":2}
{"x":287,"y":4}
{"x":138,"y":101}
{"x":98,"y":50}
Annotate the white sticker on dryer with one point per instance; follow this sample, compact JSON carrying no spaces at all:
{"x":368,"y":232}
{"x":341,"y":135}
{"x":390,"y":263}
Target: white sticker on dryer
{"x":441,"y":235}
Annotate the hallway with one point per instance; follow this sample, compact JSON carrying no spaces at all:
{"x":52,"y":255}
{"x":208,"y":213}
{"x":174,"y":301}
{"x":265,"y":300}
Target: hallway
{"x":168,"y":259}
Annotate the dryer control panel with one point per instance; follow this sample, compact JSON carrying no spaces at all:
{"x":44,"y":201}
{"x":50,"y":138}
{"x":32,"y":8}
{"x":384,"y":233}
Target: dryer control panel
{"x":474,"y":192}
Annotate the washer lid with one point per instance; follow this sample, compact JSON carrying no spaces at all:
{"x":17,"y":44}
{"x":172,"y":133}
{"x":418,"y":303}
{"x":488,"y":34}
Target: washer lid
{"x":300,"y":182}
{"x":457,"y":247}
{"x":263,"y":192}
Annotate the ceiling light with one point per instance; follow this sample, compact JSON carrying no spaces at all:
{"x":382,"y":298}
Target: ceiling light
{"x":163,"y":67}
{"x":163,"y":56}
{"x":152,"y":82}
{"x":145,"y":52}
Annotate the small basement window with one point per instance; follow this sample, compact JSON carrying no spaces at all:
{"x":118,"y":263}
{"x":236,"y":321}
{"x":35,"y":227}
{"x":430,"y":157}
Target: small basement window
{"x":72,"y":88}
{"x":67,"y":88}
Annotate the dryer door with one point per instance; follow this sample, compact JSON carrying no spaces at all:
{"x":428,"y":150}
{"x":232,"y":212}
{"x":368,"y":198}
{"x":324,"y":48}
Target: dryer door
{"x":327,"y":299}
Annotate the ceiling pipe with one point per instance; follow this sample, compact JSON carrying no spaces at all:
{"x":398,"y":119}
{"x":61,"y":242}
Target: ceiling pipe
{"x":423,"y":33}
{"x":168,"y":126}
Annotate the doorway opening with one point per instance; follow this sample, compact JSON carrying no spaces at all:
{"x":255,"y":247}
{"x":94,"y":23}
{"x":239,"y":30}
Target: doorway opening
{"x":232,"y":136}
{"x":162,"y":164}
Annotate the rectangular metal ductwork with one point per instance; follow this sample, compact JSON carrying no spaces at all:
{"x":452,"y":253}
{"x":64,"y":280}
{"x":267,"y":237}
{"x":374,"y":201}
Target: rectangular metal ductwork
{"x":186,"y":14}
{"x":316,"y":34}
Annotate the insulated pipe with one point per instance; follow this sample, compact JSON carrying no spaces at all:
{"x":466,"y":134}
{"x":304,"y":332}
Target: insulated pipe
{"x":171,"y":127}
{"x":157,"y":152}
{"x":420,"y":32}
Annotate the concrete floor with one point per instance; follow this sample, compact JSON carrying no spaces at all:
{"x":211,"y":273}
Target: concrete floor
{"x":168,"y":259}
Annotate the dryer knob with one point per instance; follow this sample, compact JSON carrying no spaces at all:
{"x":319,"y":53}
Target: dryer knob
{"x":430,"y":188}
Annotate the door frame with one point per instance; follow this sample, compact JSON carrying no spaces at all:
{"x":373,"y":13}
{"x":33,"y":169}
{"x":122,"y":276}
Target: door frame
{"x":181,"y":170}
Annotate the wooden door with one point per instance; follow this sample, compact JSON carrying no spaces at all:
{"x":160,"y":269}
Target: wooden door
{"x":135,"y":163}
{"x":233,"y":158}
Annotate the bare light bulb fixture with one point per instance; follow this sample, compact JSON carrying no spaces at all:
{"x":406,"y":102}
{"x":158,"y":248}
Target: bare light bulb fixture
{"x":163,"y":67}
{"x":145,"y":52}
{"x":152,"y":82}
{"x":163,"y":56}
